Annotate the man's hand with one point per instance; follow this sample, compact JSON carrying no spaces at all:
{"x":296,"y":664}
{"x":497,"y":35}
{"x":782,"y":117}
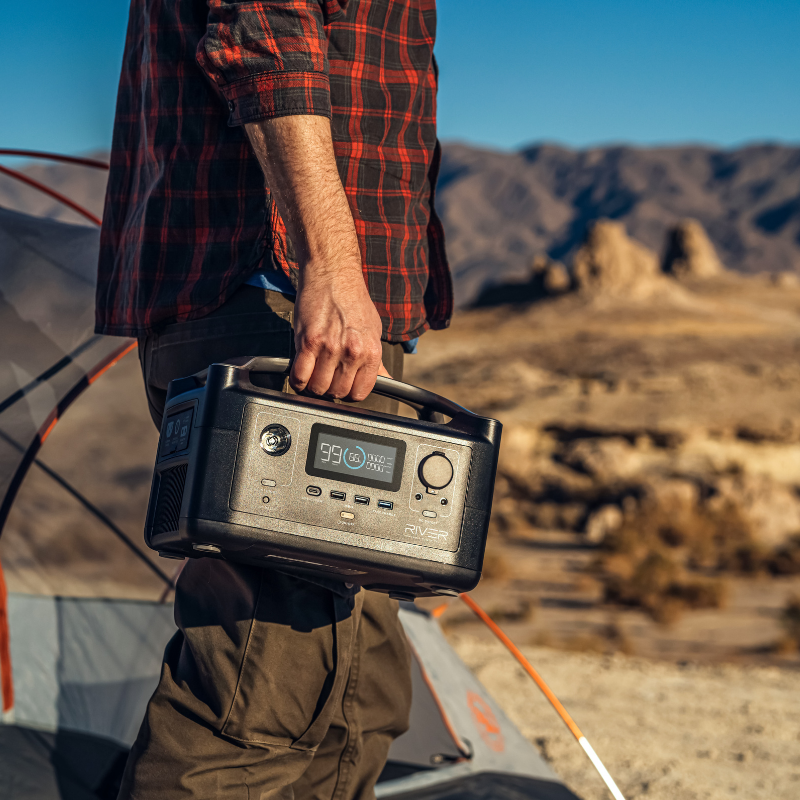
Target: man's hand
{"x":337,"y":336}
{"x":337,"y":328}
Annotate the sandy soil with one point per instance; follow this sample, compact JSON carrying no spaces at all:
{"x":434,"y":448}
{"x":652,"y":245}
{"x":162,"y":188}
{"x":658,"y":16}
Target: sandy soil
{"x":664,"y":731}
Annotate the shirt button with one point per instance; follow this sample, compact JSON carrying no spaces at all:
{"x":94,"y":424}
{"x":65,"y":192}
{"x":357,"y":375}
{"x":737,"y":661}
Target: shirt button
{"x":231,"y":105}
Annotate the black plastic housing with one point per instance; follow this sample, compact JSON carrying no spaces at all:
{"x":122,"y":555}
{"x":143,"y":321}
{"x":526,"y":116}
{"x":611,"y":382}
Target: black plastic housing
{"x":203,"y":497}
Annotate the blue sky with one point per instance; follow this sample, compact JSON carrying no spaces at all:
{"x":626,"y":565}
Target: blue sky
{"x":512,"y":72}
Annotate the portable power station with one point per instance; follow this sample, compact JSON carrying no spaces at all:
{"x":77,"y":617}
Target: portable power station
{"x":305,"y":485}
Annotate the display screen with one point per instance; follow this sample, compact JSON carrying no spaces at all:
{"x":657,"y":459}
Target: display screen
{"x":351,"y":456}
{"x":361,"y":458}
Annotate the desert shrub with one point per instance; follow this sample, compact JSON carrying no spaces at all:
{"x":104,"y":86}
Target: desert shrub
{"x":661,"y":587}
{"x":790,"y":618}
{"x":648,"y":562}
{"x":700,"y":537}
{"x":786,"y":560}
{"x":789,"y":643}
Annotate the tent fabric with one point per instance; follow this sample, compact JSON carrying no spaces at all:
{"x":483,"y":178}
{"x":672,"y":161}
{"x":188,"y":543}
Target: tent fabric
{"x":37,"y":765}
{"x":495,"y":744}
{"x":85,"y":668}
{"x":49,"y":349}
{"x":86,"y":665}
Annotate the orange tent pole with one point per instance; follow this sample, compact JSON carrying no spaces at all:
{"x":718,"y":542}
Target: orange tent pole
{"x":547,"y":692}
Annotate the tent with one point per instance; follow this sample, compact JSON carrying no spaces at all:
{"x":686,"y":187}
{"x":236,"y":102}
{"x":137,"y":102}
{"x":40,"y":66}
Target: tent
{"x":76,"y":673}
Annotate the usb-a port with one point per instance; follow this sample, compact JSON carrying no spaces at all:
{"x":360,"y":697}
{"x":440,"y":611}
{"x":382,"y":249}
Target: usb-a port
{"x":361,"y":500}
{"x":338,"y":496}
{"x":385,"y":504}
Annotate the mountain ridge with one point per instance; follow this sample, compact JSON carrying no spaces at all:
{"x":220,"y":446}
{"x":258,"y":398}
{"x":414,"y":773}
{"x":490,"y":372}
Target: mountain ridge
{"x":500,"y":209}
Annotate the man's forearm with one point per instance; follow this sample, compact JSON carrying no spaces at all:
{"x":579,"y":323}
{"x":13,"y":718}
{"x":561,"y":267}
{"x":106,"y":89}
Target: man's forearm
{"x":296,"y":156}
{"x":337,"y":328}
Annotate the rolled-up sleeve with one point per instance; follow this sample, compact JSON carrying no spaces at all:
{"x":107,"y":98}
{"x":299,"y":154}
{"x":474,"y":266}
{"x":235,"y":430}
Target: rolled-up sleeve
{"x":269,"y":59}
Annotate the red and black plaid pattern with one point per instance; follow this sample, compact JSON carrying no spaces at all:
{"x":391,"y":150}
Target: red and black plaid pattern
{"x":187,"y":219}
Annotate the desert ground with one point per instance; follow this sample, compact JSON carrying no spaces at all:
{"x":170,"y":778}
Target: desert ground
{"x":643,"y":550}
{"x":665,"y":731}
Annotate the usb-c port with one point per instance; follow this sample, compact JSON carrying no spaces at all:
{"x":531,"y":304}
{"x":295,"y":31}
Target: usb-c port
{"x":361,"y":500}
{"x":385,"y":504}
{"x":338,"y":495}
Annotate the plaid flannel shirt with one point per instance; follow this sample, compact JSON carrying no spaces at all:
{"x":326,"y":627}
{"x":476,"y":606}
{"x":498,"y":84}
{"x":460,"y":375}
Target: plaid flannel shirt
{"x":187,"y":218}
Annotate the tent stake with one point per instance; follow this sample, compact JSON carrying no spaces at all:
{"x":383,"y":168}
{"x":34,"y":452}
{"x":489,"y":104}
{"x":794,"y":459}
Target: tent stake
{"x":554,"y":701}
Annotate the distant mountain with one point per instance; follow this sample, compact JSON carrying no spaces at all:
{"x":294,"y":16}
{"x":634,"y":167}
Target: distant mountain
{"x":501,"y":209}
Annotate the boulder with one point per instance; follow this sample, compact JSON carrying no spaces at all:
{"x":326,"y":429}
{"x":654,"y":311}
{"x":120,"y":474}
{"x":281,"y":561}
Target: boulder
{"x":690,"y":253}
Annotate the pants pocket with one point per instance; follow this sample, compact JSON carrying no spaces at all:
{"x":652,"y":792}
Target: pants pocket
{"x":294,"y":666}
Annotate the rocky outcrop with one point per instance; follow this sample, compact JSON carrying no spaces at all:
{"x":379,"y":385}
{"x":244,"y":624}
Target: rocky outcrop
{"x":689,"y":252}
{"x":609,"y":263}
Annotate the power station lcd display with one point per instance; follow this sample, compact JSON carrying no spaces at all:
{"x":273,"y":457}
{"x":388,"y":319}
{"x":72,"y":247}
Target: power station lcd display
{"x":363,"y":459}
{"x":351,"y":457}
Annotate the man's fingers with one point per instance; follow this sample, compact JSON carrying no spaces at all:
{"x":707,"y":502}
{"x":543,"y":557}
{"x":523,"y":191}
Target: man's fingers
{"x":302,"y":370}
{"x":324,"y":370}
{"x":363,"y":383}
{"x":342,"y":382}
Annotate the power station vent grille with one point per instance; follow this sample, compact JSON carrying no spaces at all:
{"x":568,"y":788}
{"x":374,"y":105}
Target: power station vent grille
{"x":170,"y":496}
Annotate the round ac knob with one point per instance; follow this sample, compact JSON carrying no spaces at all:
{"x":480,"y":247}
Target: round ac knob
{"x":436,"y":471}
{"x":275,"y":440}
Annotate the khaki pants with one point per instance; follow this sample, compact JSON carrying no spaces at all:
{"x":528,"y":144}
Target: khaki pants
{"x":273,"y":686}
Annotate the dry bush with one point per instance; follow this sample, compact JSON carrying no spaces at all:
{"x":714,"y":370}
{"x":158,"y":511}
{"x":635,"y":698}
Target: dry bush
{"x":647,"y":563}
{"x":786,"y":560}
{"x":790,"y":618}
{"x":699,"y":537}
{"x":789,"y":643}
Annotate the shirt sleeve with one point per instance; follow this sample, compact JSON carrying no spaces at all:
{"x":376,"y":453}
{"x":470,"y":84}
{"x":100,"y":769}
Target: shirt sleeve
{"x":269,"y":59}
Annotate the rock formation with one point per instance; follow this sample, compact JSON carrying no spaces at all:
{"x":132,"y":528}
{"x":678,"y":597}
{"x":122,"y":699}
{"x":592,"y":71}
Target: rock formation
{"x":690,"y":253}
{"x":610,"y":263}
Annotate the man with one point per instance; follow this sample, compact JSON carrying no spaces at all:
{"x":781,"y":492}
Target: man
{"x":274,"y":686}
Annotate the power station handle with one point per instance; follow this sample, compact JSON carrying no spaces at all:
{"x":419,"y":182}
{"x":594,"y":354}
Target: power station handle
{"x":387,"y":387}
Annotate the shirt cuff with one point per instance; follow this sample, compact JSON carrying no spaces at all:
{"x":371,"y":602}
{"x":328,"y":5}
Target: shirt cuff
{"x":277,"y":94}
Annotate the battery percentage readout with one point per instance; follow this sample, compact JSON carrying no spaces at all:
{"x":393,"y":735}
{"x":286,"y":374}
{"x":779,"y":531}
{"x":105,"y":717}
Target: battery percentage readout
{"x":353,"y":456}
